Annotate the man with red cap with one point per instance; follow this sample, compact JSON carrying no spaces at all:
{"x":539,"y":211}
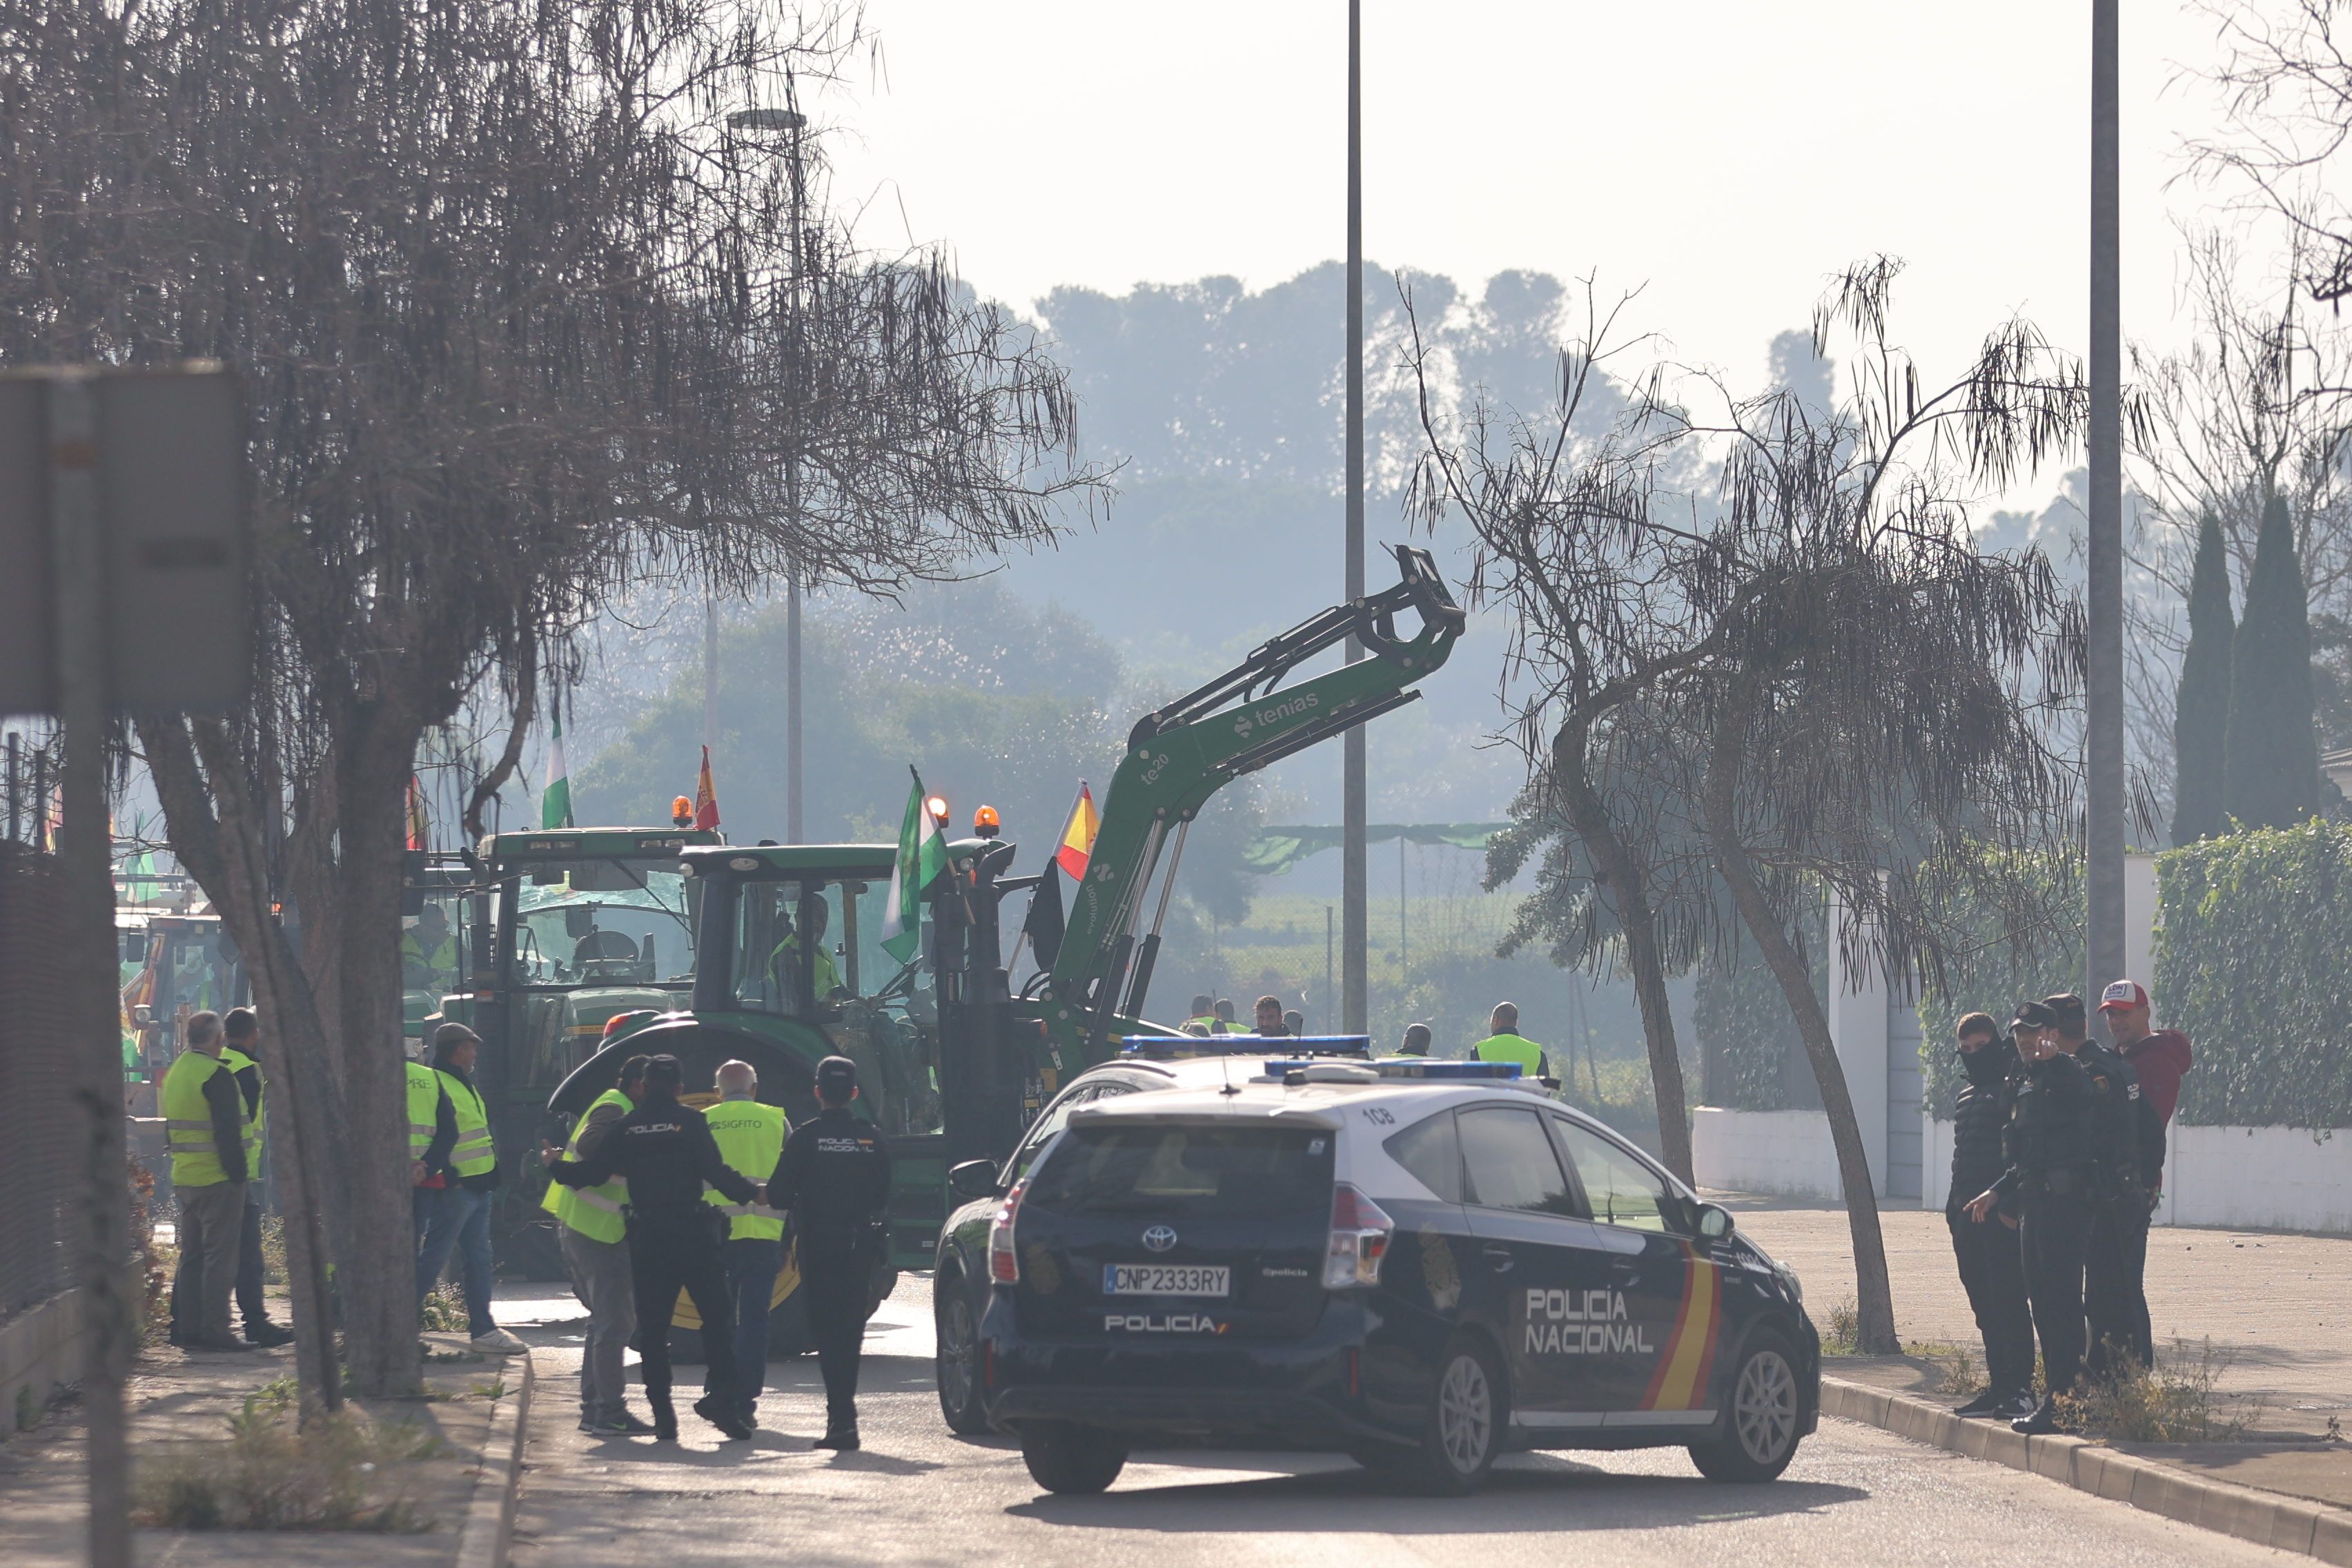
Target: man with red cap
{"x":2161,"y":1058}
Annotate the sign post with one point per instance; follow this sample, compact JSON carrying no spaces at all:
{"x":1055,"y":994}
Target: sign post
{"x":125,"y":487}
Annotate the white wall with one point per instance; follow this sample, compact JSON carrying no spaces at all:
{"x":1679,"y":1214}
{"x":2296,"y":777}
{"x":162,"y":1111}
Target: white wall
{"x":1783,"y":1152}
{"x":2258,"y":1178}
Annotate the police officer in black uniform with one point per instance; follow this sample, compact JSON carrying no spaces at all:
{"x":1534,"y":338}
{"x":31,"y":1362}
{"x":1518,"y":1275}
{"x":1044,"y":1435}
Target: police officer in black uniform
{"x":834,"y":1177}
{"x":1991,"y":1264}
{"x":2047,"y":1188}
{"x":2128,"y":1150}
{"x":665,"y":1150}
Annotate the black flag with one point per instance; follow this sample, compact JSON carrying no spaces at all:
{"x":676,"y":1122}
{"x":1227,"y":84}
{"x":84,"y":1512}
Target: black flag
{"x":1043,"y":926}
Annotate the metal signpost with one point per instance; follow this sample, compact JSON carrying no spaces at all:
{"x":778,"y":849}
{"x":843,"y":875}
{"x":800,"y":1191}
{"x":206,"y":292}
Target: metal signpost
{"x":122,"y":488}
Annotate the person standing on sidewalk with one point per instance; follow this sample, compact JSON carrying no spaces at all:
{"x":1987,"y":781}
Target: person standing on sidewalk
{"x":2128,"y":1148}
{"x":242,"y":1031}
{"x":592,"y":1231}
{"x":2161,"y":1058}
{"x":665,"y":1151}
{"x":2047,"y":1188}
{"x":750,"y":1137}
{"x":204,"y":1128}
{"x":835,"y":1179}
{"x":1991,"y":1263}
{"x":460,"y":1218}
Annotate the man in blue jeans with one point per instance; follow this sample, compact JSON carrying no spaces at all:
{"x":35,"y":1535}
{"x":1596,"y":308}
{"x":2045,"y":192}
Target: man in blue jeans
{"x":458,"y":1217}
{"x":749,"y":1136}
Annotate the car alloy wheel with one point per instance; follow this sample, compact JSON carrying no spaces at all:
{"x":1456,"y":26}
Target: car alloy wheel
{"x":957,"y":1342}
{"x":1764,"y":1406}
{"x":1465,"y":1413}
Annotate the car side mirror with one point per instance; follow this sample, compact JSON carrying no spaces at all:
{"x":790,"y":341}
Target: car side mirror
{"x":973,"y":1179}
{"x":1714,"y":1221}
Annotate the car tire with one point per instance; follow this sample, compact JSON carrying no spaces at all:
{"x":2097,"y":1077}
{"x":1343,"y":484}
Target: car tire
{"x":1463,"y":1431}
{"x":1760,"y":1430}
{"x":1065,"y":1459}
{"x":956,"y":1364}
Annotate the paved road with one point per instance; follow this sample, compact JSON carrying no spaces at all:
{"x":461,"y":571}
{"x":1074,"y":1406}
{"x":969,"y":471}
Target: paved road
{"x":919,"y":1496}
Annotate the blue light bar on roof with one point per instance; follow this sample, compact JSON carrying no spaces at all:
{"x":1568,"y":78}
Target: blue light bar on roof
{"x":1182,"y":1047}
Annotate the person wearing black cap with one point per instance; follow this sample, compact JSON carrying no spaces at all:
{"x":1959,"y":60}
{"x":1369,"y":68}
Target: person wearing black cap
{"x":835,"y":1178}
{"x":2048,"y":1189}
{"x":1993,"y":1269}
{"x":665,"y":1150}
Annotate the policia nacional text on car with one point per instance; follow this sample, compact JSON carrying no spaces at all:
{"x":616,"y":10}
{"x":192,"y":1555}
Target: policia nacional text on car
{"x":665,"y":1153}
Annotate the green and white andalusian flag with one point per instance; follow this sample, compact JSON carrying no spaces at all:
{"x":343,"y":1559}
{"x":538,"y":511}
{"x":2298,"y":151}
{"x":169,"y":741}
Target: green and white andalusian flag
{"x":555,"y":800}
{"x":923,"y":855}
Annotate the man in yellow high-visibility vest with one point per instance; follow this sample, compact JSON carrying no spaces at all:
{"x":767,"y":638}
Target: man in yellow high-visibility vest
{"x":241,"y":1056}
{"x":749,"y":1136}
{"x":594,"y":1237}
{"x":460,"y":1219}
{"x":204,"y":1128}
{"x":1503,"y":1043}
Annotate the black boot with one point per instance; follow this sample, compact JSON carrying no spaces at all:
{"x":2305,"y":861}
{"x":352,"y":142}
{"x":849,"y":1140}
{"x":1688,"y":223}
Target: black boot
{"x":2043,"y":1420}
{"x":723,"y":1416}
{"x":665,"y":1415}
{"x":1984,"y":1403}
{"x":840,"y":1432}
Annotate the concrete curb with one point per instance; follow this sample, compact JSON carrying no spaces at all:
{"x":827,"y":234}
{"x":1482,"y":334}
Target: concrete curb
{"x":2268,"y":1519}
{"x":488,"y":1530}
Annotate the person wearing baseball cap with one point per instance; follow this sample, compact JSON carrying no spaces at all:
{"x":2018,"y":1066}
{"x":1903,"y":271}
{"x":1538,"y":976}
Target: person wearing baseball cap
{"x":835,"y":1178}
{"x":2160,"y":1058}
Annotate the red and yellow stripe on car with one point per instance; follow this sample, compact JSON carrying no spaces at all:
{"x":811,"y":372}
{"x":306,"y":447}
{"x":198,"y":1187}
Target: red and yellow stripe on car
{"x":1680,"y":1382}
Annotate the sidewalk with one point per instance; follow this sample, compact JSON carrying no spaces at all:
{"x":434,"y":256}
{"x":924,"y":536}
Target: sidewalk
{"x":2273,"y":1306}
{"x":182,"y":1400}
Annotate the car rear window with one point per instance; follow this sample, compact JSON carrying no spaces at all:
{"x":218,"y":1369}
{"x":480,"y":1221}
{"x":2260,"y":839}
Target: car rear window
{"x":1142,"y":1167}
{"x":1430,"y":1149}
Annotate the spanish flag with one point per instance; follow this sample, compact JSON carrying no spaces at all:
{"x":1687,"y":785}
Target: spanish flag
{"x":418,"y":829}
{"x":706,"y":798}
{"x":1079,"y":837}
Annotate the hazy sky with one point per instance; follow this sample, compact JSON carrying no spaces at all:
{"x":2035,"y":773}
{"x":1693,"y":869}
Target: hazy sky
{"x":1728,"y":155}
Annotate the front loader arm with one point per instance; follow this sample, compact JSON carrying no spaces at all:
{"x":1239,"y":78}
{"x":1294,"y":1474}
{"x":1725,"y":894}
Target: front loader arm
{"x":1245,"y":720}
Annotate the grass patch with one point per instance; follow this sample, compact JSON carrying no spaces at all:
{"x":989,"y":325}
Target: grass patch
{"x":443,"y":1310}
{"x":1841,"y":1329}
{"x":273,"y":1474}
{"x":2174,"y":1402}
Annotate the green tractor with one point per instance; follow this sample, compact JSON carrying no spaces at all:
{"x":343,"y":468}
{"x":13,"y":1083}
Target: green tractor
{"x":953,"y":1064}
{"x":538,"y":944}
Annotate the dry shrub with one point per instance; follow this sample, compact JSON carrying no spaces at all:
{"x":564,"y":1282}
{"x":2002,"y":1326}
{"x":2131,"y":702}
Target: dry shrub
{"x":271,"y":1474}
{"x":2171,"y":1403}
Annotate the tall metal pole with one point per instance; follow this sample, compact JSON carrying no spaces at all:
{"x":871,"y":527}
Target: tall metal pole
{"x":799,"y":386}
{"x":710,"y":673}
{"x":85,"y":856}
{"x":2103,"y":671}
{"x":1355,"y":918}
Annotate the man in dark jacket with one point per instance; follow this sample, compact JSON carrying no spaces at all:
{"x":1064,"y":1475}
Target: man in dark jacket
{"x":2114,"y":1284}
{"x":833,"y":1177}
{"x":1992,"y":1267}
{"x":2048,"y":1189}
{"x":665,"y":1150}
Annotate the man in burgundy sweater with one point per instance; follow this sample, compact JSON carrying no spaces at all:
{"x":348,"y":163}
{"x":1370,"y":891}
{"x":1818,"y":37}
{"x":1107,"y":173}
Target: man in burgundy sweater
{"x":2161,"y":1058}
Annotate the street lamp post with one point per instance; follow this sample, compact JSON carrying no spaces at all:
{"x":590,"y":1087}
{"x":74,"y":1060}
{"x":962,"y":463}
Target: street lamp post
{"x":1355,"y":875}
{"x":791,"y":123}
{"x":2104,"y":657}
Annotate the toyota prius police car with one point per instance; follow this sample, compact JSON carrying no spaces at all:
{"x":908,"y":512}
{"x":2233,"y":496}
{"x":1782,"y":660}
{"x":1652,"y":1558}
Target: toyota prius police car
{"x":1420,"y":1263}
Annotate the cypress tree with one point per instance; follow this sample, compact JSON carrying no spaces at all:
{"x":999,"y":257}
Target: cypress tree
{"x":2270,"y":775}
{"x":2201,"y":718}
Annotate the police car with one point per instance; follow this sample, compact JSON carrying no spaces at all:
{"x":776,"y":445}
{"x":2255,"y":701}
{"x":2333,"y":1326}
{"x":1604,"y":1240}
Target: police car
{"x":1421,"y":1264}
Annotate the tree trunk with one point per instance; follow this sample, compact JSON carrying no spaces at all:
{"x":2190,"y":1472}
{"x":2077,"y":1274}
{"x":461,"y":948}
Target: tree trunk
{"x":229,"y":856}
{"x":379,"y":1295}
{"x":1875,"y":1298}
{"x":1621,"y":874}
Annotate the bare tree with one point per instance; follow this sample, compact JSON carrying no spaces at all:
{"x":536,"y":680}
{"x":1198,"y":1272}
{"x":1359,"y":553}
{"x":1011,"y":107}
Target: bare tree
{"x":1797,"y":592}
{"x":512,"y":309}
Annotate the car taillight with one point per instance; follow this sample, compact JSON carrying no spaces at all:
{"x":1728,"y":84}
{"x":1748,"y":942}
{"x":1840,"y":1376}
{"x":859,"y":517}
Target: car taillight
{"x":1004,"y":1263}
{"x":1359,"y":1238}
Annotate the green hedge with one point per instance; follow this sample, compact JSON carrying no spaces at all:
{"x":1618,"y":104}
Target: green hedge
{"x":2254,"y":961}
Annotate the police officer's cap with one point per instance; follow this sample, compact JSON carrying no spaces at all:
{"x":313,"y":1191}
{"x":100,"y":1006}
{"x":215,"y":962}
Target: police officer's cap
{"x":2066,"y":1011}
{"x":663,"y":1072}
{"x":2033,"y":1015}
{"x":836,"y":1076}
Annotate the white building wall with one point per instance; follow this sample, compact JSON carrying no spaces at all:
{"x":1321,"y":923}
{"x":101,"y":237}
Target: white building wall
{"x":1783,"y":1152}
